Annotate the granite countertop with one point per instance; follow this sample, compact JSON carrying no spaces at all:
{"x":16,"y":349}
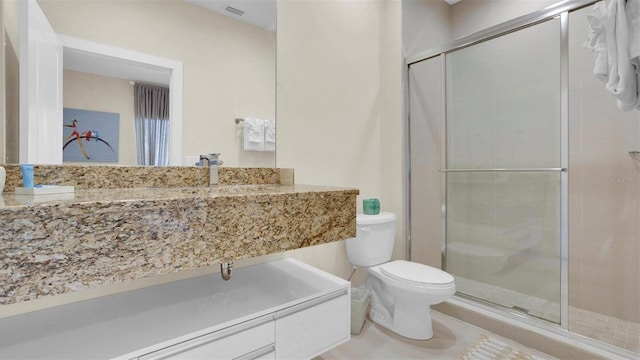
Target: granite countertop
{"x":221,"y":193}
{"x":54,"y":244}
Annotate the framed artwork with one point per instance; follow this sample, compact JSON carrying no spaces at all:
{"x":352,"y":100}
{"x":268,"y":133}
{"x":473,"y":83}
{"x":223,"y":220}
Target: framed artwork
{"x":90,"y":136}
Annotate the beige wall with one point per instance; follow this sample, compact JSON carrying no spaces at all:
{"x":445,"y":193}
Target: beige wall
{"x":470,"y":16}
{"x":229,"y":66}
{"x":428,"y":24}
{"x":426,"y":125}
{"x":425,"y":25}
{"x":99,"y":93}
{"x":340,"y":103}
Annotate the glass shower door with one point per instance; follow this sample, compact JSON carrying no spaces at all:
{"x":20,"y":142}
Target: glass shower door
{"x":503,"y":176}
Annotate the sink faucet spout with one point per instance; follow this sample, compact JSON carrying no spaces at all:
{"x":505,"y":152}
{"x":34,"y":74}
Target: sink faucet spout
{"x":212,"y":161}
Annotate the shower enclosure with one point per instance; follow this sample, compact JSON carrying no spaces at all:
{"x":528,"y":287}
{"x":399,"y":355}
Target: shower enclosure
{"x":508,"y":130}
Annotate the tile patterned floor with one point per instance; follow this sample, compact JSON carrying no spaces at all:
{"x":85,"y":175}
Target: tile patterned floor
{"x":608,"y":329}
{"x":451,"y":338}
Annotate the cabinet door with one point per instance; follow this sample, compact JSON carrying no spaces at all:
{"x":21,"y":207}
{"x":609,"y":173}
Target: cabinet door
{"x":229,"y":343}
{"x":313,"y":327}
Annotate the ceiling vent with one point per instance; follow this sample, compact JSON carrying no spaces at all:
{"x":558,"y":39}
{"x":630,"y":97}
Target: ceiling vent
{"x":234,"y":10}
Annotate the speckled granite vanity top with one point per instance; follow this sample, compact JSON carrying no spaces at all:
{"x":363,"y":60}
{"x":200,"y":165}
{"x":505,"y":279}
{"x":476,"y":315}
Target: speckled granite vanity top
{"x":70,"y":242}
{"x":139,"y":196}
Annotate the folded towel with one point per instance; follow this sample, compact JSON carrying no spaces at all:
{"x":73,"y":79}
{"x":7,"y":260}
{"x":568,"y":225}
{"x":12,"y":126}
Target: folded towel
{"x":253,"y":134}
{"x":597,"y":40}
{"x":269,"y":135}
{"x":633,"y":22}
{"x":622,"y":82}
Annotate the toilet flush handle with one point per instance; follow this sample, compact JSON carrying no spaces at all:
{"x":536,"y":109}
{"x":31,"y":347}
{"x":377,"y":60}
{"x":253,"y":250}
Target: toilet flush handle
{"x":366,"y":228}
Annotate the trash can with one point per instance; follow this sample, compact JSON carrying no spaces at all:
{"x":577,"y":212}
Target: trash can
{"x":360,"y":299}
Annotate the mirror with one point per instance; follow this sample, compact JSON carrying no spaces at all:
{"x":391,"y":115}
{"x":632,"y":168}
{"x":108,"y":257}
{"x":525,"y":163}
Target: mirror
{"x":228,"y":67}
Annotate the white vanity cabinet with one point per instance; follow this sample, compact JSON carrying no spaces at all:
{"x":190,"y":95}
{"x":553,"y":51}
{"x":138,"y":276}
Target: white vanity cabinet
{"x":306,"y":330}
{"x":253,"y":339}
{"x":283,"y":309}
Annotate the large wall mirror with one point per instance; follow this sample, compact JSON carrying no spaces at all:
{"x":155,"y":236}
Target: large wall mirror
{"x":226,"y":49}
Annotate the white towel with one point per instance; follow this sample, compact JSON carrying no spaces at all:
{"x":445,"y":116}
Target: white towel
{"x":622,"y":82}
{"x":597,"y":40}
{"x":253,"y":134}
{"x":633,"y":22}
{"x":269,"y":135}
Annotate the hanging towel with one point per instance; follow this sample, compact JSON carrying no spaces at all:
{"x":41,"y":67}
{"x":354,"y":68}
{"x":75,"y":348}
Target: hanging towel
{"x":597,"y":40}
{"x":253,"y":134}
{"x":633,"y":22}
{"x":269,"y":135}
{"x":622,"y":82}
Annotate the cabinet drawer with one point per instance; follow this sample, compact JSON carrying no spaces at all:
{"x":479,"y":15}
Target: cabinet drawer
{"x":249,"y":337}
{"x":311,"y":328}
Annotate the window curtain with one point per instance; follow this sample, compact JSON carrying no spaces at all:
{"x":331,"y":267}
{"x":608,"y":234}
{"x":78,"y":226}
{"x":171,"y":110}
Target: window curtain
{"x":152,"y":124}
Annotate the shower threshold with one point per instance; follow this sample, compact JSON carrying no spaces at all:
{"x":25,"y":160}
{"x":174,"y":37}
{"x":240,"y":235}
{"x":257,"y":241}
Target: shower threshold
{"x":604,"y":328}
{"x":525,"y":304}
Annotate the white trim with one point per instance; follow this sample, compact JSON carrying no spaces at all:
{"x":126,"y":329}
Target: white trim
{"x":40,"y":74}
{"x":174,"y":68}
{"x":175,"y":125}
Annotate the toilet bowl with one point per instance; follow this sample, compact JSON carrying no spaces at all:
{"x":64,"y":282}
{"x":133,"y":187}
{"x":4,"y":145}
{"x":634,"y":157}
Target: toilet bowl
{"x":402,"y":295}
{"x":402,"y":292}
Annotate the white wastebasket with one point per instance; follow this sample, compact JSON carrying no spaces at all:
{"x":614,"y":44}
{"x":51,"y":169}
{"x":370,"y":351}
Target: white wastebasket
{"x":360,"y":299}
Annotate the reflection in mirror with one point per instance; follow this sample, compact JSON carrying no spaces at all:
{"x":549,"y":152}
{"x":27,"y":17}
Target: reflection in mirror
{"x":96,"y":71}
{"x":228,"y":67}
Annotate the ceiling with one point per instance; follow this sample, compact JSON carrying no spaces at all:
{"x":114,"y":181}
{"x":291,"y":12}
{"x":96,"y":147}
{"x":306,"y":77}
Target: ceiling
{"x":260,"y":13}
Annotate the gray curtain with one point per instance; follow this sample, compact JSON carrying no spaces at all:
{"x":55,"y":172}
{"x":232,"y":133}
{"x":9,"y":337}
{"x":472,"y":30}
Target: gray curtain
{"x":152,"y":124}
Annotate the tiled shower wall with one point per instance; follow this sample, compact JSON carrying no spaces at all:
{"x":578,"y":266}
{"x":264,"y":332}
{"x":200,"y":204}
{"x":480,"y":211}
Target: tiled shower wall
{"x":604,"y":191}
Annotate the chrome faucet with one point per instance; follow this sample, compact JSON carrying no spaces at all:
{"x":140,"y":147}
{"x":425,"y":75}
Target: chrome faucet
{"x":211,"y":161}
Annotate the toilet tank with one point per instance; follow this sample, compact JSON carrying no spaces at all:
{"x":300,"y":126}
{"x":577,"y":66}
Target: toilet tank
{"x":374,"y":239}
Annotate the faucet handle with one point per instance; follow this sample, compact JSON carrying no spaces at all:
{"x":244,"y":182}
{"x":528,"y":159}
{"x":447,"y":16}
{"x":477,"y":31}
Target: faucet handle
{"x":204,"y":160}
{"x":209,"y":159}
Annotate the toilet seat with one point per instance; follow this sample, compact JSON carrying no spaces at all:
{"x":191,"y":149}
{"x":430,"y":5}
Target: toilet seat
{"x":416,"y":274}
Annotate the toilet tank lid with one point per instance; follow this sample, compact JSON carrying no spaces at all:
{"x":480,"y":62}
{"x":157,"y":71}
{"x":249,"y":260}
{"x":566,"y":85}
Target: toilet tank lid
{"x":382,"y":218}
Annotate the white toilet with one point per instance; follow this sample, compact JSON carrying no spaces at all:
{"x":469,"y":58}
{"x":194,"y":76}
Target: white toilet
{"x":402,"y":292}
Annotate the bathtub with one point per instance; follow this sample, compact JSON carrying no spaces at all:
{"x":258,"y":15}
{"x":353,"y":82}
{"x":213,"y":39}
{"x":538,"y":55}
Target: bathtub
{"x":133,"y":324}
